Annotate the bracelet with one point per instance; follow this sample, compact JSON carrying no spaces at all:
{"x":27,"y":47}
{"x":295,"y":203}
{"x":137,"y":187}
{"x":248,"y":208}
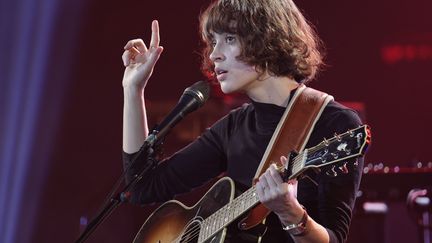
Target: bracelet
{"x":298,"y":229}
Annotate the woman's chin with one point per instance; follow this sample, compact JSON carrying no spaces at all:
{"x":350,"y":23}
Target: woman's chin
{"x":226,"y":89}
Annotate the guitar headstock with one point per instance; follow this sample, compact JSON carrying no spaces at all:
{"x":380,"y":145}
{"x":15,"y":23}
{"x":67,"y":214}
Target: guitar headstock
{"x":350,"y":144}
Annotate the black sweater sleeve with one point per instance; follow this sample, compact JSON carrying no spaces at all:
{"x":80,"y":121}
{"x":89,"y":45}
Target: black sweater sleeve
{"x":192,"y":166}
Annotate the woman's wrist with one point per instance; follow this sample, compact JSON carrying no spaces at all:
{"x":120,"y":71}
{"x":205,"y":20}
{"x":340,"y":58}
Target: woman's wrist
{"x":292,"y":214}
{"x":132,"y":91}
{"x":299,"y":228}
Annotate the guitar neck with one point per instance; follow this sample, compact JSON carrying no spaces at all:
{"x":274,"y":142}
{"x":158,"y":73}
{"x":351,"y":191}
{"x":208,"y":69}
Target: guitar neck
{"x":228,"y":213}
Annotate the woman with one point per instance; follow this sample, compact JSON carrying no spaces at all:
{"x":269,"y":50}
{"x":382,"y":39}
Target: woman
{"x":265,"y":49}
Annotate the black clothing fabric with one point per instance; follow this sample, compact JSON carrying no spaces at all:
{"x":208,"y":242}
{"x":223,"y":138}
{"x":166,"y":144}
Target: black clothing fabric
{"x":235,"y":145}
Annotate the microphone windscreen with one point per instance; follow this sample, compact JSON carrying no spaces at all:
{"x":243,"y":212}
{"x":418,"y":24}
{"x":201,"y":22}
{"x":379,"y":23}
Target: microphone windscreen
{"x":200,"y":90}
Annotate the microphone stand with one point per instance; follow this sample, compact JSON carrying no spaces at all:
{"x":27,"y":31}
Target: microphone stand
{"x":113,"y":202}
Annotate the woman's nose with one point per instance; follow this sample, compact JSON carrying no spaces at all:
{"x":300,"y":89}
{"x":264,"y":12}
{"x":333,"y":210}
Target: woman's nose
{"x":217,"y":54}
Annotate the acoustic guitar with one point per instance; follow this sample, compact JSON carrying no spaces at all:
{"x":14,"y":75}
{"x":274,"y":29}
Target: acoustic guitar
{"x":207,"y":220}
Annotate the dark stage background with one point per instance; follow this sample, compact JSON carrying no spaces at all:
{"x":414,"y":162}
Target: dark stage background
{"x":379,"y":56}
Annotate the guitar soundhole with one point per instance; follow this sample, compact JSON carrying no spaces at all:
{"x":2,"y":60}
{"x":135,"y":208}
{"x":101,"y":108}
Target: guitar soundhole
{"x":191,"y":233}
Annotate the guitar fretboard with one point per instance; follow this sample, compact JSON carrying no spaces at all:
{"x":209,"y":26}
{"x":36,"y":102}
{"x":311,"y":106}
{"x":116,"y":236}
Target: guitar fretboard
{"x":228,"y":213}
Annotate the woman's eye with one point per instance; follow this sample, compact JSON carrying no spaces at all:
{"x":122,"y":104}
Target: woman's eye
{"x":230,"y":39}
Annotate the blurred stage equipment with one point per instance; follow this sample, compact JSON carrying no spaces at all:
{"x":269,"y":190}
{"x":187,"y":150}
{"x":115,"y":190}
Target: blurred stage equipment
{"x":420,"y":205}
{"x":382,"y":198}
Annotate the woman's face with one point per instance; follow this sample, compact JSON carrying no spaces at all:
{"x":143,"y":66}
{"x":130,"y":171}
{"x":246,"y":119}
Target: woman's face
{"x":232,"y":74}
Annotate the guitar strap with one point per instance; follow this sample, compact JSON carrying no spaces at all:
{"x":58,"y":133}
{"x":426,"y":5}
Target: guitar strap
{"x":291,"y":135}
{"x":295,"y":127}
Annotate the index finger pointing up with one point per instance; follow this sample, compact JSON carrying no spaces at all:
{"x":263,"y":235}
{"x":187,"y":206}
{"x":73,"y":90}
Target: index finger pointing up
{"x":154,"y":42}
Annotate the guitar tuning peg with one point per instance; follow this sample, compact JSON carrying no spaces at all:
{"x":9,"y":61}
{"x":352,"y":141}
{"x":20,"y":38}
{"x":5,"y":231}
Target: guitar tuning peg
{"x":338,"y":137}
{"x":343,"y":168}
{"x":335,"y":155}
{"x":356,"y":163}
{"x":347,"y":151}
{"x":332,"y":172}
{"x":326,"y":142}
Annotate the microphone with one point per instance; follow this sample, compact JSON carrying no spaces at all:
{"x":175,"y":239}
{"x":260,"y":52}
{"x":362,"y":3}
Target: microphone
{"x":193,"y":97}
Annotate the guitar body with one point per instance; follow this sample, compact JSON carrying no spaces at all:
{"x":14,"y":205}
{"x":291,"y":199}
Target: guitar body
{"x":175,"y":222}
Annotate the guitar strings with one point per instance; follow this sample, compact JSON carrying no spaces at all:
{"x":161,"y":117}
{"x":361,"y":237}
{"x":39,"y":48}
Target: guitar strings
{"x":297,"y":162}
{"x":194,"y":234}
{"x":195,"y":229}
{"x":190,"y":233}
{"x":298,"y":159}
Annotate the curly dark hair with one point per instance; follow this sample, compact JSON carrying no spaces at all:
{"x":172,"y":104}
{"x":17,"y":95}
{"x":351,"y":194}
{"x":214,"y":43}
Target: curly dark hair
{"x":274,"y":36}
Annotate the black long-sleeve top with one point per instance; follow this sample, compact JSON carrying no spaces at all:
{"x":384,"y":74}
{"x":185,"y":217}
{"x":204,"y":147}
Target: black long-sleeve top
{"x":235,"y":144}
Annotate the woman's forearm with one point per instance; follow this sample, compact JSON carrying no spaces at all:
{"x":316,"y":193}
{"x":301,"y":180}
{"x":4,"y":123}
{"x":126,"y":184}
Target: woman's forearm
{"x":135,"y":128}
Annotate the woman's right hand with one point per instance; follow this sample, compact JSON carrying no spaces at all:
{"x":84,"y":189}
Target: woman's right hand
{"x":140,"y":61}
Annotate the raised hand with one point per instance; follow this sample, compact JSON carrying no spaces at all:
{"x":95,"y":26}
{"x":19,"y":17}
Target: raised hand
{"x":140,"y":60}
